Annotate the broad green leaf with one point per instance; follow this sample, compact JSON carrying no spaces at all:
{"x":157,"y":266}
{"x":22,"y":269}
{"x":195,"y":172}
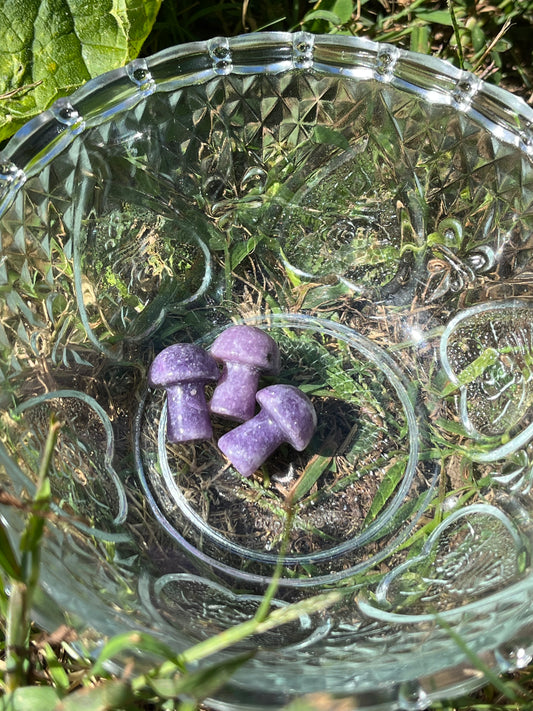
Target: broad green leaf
{"x":30,"y":698}
{"x":478,"y":36}
{"x":49,"y":48}
{"x":243,"y":249}
{"x":335,"y":12}
{"x":326,"y":15}
{"x":344,"y":9}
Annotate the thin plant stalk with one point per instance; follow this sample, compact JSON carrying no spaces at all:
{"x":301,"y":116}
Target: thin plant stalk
{"x":22,"y":590}
{"x":17,"y":632}
{"x":457,"y":33}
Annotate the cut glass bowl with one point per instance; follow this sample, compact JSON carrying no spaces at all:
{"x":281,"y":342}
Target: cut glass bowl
{"x":372,"y":210}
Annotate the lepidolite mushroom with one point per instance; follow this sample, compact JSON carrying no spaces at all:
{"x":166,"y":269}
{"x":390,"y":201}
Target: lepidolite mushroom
{"x":287,"y":415}
{"x":183,"y":369}
{"x":246,"y":352}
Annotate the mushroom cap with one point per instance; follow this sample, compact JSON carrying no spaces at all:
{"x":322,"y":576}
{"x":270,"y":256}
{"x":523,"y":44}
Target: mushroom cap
{"x":249,"y":346}
{"x":182,"y":363}
{"x":292,"y":411}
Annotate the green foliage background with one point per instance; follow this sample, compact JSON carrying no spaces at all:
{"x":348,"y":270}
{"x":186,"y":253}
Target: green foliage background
{"x":48,"y":48}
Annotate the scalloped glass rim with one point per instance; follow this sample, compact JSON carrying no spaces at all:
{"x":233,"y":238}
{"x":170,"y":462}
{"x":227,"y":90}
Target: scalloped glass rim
{"x":506,"y":116}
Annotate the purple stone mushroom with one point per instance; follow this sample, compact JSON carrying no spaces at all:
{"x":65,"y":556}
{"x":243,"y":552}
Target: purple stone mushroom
{"x":246,"y":352}
{"x":287,"y":415}
{"x":183,"y":370}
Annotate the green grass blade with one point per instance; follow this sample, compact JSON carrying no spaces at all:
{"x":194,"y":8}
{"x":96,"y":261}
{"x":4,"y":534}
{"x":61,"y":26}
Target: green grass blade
{"x":136,"y":642}
{"x":506,"y":689}
{"x":17,"y":631}
{"x":457,"y":33}
{"x":31,"y":537}
{"x":278,"y":617}
{"x":56,"y":671}
{"x":473,"y":370}
{"x":8,"y":559}
{"x":386,"y":489}
{"x":312,"y":473}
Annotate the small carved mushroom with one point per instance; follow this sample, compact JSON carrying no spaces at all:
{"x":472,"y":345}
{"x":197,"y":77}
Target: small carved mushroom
{"x":287,"y":415}
{"x":183,"y":370}
{"x":246,"y":352}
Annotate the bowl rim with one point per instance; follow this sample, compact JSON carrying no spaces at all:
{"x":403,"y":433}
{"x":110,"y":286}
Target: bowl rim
{"x":506,"y":116}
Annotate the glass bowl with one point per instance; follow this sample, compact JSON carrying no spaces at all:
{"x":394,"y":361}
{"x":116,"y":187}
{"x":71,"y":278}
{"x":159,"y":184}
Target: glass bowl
{"x":372,"y":210}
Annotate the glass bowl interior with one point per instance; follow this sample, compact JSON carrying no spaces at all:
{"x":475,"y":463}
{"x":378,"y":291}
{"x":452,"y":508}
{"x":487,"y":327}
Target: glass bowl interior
{"x":371,"y":209}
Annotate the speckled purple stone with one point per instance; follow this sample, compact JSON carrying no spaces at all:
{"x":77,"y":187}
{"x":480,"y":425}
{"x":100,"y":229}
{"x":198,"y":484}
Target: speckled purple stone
{"x":287,"y":415}
{"x":183,"y":370}
{"x":246,"y":352}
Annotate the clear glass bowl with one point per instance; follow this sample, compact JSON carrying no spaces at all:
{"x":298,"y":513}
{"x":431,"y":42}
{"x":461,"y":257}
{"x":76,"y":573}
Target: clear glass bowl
{"x":372,"y":210}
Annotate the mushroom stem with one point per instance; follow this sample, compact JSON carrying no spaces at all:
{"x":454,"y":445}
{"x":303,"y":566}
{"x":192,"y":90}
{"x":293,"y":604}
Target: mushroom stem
{"x":266,"y":436}
{"x":187,"y":413}
{"x":234,"y":396}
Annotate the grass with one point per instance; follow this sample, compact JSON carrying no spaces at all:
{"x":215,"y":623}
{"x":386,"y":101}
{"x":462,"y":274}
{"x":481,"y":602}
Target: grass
{"x":45,"y":671}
